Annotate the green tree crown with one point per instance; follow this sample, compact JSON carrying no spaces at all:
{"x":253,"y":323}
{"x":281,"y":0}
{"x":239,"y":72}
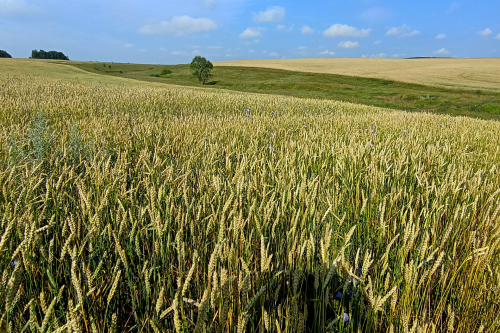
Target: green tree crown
{"x":4,"y":54}
{"x":201,"y":68}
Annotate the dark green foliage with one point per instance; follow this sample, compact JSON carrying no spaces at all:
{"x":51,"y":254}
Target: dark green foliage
{"x":4,"y":54}
{"x":166,"y":72}
{"x":109,"y":66}
{"x":200,"y":68}
{"x":475,"y":107}
{"x":48,"y":55}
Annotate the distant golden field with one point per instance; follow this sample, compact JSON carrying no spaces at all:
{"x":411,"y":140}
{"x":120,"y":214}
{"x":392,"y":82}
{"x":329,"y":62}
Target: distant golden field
{"x":454,"y":73}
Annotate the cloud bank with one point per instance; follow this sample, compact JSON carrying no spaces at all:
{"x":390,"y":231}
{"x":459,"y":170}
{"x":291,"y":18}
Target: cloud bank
{"x":485,"y":32}
{"x":275,"y":14}
{"x":251,"y":33}
{"x":306,"y":30}
{"x":402,"y":31}
{"x":348,"y":45}
{"x":343,"y":30}
{"x":17,"y":7}
{"x":442,"y":52}
{"x":178,"y":26}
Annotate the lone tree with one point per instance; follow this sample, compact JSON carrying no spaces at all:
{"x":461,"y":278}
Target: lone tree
{"x":4,"y":54}
{"x":200,"y":68}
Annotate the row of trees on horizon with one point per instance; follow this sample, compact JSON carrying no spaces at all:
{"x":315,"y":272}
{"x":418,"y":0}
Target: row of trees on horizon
{"x":4,"y":54}
{"x":39,"y":55}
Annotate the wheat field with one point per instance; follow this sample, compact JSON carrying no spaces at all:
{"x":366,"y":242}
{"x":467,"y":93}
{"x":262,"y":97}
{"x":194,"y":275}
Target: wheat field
{"x":451,"y":73}
{"x":160,"y":209}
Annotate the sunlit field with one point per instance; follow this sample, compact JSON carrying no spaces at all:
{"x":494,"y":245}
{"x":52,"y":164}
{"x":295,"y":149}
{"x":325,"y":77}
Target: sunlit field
{"x":163,"y":209}
{"x":452,"y":73}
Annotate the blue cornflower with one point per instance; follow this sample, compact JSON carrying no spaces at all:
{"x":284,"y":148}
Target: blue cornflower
{"x":371,"y":131}
{"x":271,"y":149}
{"x":338,"y":295}
{"x":359,"y":271}
{"x":272,"y":134}
{"x":405,"y":131}
{"x":13,"y":263}
{"x":346,"y":317}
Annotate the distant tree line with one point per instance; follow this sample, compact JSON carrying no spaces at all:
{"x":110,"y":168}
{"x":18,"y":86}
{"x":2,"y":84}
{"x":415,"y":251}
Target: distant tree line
{"x":4,"y":54}
{"x":429,"y":58}
{"x":48,"y":55}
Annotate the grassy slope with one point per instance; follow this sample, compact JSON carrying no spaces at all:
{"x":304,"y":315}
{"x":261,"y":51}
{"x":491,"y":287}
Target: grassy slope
{"x":474,"y":74}
{"x":378,"y":92}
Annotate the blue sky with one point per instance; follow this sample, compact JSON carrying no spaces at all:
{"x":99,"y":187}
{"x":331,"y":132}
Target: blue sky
{"x":171,"y":32}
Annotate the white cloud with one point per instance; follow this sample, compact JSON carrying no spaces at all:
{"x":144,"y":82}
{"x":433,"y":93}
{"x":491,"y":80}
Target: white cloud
{"x":251,"y":51}
{"x":214,"y":47}
{"x":178,"y":26}
{"x":326,"y":52}
{"x":210,"y":4}
{"x":348,"y":45}
{"x":364,"y":56}
{"x":280,"y":27}
{"x":178,"y":53}
{"x":377,"y":42}
{"x":443,"y":52}
{"x":402,"y":31}
{"x":485,"y":32}
{"x":274,"y":55}
{"x":128,"y":46}
{"x":301,"y":48}
{"x":274,"y":14}
{"x":17,"y":7}
{"x":375,"y":14}
{"x":163,"y":49}
{"x":381,"y":55}
{"x":453,"y":6}
{"x":251,"y":33}
{"x":441,"y":36}
{"x":396,"y":55}
{"x":196,"y":52}
{"x":306,"y":30}
{"x":497,"y":37}
{"x":343,"y":30}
